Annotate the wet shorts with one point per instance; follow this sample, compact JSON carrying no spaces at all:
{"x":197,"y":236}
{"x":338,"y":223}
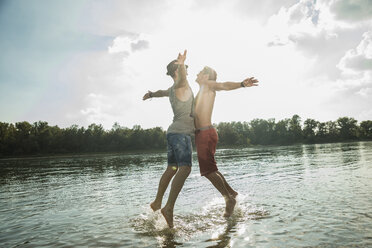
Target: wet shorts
{"x":206,"y":142}
{"x":179,"y":149}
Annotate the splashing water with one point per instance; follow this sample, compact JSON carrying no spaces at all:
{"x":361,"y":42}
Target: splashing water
{"x":208,"y":220}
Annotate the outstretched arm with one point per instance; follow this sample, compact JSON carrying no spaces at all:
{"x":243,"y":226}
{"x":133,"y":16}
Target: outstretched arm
{"x":182,"y":80}
{"x":248,"y":82}
{"x":159,"y":93}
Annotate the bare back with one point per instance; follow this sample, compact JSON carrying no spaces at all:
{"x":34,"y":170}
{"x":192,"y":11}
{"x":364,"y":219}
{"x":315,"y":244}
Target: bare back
{"x":204,"y":103}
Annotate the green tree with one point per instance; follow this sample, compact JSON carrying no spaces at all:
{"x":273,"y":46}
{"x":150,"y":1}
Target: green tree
{"x":295,"y":130}
{"x":93,"y":137}
{"x":321,"y":134}
{"x":332,"y":131}
{"x":72,"y":139}
{"x":7,"y":138}
{"x":26,"y":142}
{"x":22,"y":138}
{"x":262,"y":131}
{"x":226,"y":133}
{"x":282,"y":135}
{"x":366,"y":129}
{"x":348,"y":128}
{"x":310,"y":126}
{"x":41,"y":131}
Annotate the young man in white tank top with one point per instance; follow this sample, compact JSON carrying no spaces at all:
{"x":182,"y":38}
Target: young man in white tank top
{"x":178,"y":136}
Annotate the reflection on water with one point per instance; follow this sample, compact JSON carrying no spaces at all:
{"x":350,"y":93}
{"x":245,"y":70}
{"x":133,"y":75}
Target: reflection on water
{"x":208,"y":220}
{"x":303,"y":195}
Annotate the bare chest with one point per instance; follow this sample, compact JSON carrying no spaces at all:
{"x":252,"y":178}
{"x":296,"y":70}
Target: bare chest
{"x":204,"y":99}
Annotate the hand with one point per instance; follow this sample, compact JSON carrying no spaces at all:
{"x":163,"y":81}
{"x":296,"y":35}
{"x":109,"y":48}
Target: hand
{"x":147,"y":95}
{"x":181,"y":58}
{"x":250,"y":82}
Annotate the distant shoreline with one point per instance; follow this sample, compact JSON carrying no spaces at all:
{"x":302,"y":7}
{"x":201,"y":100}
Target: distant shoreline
{"x":149,"y":151}
{"x":23,"y":139}
{"x":83,"y":154}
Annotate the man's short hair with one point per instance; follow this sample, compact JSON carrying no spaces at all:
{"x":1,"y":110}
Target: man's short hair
{"x":172,"y":68}
{"x":212,"y":74}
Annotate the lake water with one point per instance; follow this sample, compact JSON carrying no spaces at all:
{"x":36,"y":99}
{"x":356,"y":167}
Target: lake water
{"x":289,"y":196}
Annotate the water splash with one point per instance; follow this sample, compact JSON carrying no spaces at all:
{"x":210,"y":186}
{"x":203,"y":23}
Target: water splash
{"x":187,"y":226}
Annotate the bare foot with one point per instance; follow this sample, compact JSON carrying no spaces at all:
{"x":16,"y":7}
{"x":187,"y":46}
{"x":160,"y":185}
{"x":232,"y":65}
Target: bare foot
{"x":230,"y":204}
{"x":155,"y":206}
{"x":168,"y":215}
{"x":234,"y":194}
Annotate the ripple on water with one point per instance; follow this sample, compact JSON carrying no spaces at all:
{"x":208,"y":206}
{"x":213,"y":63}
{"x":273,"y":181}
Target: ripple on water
{"x":309,"y":195}
{"x":192,"y":225}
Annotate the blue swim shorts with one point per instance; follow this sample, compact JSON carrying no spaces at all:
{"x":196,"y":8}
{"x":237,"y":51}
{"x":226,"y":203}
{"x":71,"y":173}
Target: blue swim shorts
{"x":179,"y":149}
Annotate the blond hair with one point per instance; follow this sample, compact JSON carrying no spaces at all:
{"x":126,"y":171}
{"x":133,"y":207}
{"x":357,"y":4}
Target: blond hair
{"x":212,"y":75}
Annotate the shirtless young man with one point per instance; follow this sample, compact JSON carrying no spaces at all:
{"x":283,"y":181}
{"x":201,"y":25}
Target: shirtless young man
{"x":206,"y":136}
{"x":178,"y":136}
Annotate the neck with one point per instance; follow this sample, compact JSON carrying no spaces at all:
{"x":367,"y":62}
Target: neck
{"x":201,"y":84}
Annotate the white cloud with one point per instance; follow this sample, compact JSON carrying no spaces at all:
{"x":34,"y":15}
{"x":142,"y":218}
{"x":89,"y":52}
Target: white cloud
{"x":98,"y":108}
{"x":311,"y":27}
{"x":352,"y":92}
{"x":365,"y":92}
{"x":259,"y":11}
{"x":128,"y":44}
{"x":352,"y":10}
{"x":302,"y":18}
{"x":360,"y":58}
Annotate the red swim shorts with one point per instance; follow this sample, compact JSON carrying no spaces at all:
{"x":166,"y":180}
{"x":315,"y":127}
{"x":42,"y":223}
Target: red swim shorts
{"x":206,"y":142}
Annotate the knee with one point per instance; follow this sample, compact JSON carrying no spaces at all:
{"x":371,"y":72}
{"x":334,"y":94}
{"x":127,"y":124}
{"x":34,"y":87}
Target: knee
{"x":211,"y":175}
{"x":172,"y":169}
{"x":185,"y":169}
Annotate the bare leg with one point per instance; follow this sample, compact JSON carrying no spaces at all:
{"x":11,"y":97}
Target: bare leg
{"x":163,"y":185}
{"x":177,"y":184}
{"x":231,"y":191}
{"x":218,"y":182}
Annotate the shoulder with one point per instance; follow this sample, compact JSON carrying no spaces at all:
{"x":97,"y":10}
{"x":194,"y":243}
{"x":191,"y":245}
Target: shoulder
{"x":181,"y":84}
{"x":210,"y":85}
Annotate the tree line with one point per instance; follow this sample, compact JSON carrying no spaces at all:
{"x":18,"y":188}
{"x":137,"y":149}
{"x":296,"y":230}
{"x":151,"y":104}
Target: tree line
{"x":23,"y":138}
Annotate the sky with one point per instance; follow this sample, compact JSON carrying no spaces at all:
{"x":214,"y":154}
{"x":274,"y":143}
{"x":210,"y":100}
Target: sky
{"x":81,"y":62}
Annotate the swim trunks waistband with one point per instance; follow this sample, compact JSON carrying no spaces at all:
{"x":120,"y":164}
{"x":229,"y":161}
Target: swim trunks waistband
{"x":204,"y":128}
